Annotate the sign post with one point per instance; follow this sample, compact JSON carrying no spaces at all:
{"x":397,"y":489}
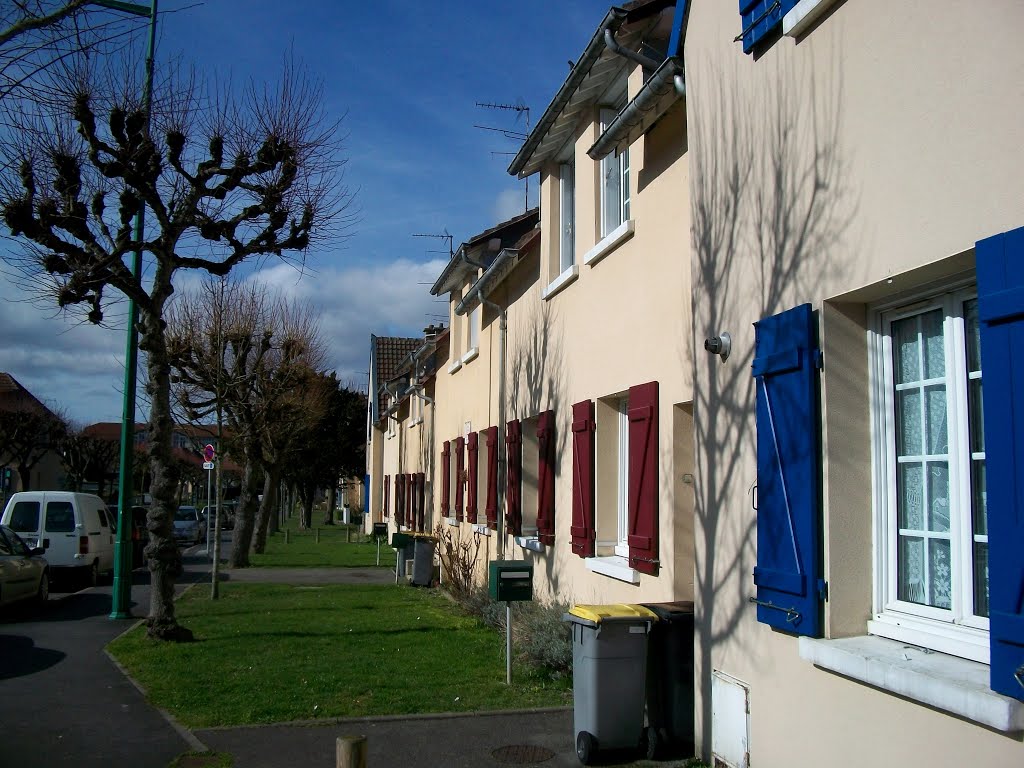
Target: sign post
{"x":209,"y":454}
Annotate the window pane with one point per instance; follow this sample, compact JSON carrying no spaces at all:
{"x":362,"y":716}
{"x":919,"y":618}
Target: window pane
{"x":940,"y":582}
{"x":60,"y":517}
{"x":981,"y":579}
{"x":934,"y":347}
{"x":25,"y":517}
{"x":908,"y":422}
{"x":980,"y":498}
{"x":977,"y":423}
{"x":938,"y":436}
{"x":911,"y":496}
{"x":938,"y":496}
{"x":911,"y":569}
{"x":972,"y":329}
{"x":906,"y":350}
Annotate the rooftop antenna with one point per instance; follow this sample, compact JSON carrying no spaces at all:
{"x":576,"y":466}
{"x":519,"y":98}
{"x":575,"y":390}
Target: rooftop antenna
{"x":445,"y":236}
{"x":521,"y":110}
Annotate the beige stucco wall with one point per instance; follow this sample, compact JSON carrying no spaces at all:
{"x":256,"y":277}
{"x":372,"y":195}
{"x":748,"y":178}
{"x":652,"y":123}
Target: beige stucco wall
{"x":623,"y":321}
{"x":863,"y":159}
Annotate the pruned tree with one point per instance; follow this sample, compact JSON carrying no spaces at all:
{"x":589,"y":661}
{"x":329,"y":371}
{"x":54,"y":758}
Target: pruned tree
{"x":223,"y":180}
{"x":255,"y":356}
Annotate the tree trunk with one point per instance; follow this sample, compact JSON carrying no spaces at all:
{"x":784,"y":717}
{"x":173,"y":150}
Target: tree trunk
{"x":267,"y":508}
{"x":162,"y":551}
{"x":306,"y":491}
{"x":245,"y":517}
{"x":332,"y":504}
{"x":24,"y":473}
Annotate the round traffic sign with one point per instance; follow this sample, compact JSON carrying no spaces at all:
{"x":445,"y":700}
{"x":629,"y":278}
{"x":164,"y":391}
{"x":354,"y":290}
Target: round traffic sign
{"x":208,"y":452}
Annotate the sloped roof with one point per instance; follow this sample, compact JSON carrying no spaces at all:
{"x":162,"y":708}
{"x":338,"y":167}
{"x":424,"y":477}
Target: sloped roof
{"x":389,"y":353}
{"x":594,"y":72}
{"x":508,"y":232}
{"x":14,"y":396}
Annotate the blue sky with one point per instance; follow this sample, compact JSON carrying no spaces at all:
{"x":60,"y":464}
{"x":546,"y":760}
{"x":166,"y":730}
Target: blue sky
{"x":405,"y":76}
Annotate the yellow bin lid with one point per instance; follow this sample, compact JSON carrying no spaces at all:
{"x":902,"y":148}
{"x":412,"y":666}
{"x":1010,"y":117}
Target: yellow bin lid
{"x":613,"y":612}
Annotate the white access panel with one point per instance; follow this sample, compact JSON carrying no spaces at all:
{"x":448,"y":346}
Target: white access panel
{"x":730,"y":721}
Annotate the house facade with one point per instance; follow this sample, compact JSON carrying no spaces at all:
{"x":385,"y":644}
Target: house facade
{"x":858,"y":502}
{"x":739,"y":359}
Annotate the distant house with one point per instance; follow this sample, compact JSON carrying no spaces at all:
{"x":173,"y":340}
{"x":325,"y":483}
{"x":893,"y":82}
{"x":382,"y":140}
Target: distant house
{"x":36,"y":458}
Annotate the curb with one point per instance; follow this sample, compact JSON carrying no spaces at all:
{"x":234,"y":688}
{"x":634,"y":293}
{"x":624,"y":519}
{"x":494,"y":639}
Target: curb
{"x":328,"y":722}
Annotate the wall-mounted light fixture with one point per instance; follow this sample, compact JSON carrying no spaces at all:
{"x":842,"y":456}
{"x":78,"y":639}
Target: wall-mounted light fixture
{"x":720,"y":345}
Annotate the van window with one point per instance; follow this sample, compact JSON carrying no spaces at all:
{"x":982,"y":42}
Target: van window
{"x":25,"y":517}
{"x":103,"y":518}
{"x":60,"y":517}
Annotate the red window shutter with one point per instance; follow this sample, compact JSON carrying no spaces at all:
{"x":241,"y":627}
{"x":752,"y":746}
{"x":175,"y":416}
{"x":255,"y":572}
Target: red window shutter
{"x":410,"y":499}
{"x":546,"y":477}
{"x":446,"y":477}
{"x":400,"y":498}
{"x":473,"y":452}
{"x":460,"y":468}
{"x":643,"y":477}
{"x":491,"y":437}
{"x":582,"y":530}
{"x":387,"y":496}
{"x":513,"y":491}
{"x":421,"y":498}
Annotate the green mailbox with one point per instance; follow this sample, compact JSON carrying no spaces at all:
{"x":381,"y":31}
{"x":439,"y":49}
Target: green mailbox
{"x":400,"y":540}
{"x":510,"y":581}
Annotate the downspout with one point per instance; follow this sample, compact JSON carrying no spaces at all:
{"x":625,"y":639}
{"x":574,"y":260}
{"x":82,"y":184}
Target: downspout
{"x":638,"y":58}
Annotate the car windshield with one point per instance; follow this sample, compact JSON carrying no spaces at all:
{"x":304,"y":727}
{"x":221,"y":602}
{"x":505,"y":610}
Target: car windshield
{"x":185,"y":514}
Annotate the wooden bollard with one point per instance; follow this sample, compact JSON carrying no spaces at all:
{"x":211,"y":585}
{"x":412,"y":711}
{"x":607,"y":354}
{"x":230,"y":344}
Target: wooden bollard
{"x":348,"y":534}
{"x":317,"y":535}
{"x":351,"y":752}
{"x":287,"y":536}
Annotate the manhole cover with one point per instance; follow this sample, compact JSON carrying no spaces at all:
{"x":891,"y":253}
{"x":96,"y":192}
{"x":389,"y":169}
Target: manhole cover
{"x":522,"y":754}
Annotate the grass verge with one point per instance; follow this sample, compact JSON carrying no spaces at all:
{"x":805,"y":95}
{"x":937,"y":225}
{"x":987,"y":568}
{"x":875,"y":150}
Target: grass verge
{"x":334,"y":549}
{"x":271,"y":653}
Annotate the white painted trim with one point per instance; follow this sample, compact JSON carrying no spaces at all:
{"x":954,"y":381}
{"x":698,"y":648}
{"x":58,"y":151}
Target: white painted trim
{"x":455,"y":366}
{"x":481,"y":530}
{"x":953,"y":639}
{"x":564,"y":279}
{"x":935,"y":679}
{"x":452,"y":520}
{"x":531,"y":543}
{"x":803,"y":15}
{"x":615,"y":567}
{"x":610,"y":242}
{"x":471,"y":354}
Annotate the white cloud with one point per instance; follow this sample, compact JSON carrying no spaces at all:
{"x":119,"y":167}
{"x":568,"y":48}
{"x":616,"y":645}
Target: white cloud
{"x":510,"y":203}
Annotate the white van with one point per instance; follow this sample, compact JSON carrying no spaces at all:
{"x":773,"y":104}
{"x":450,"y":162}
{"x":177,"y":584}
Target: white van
{"x":74,"y":529}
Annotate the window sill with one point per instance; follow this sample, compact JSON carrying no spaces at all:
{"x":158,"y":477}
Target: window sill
{"x":614,"y":567}
{"x":938,"y":680}
{"x":965,"y":642}
{"x":803,"y":15}
{"x":455,"y":366}
{"x":481,"y":530}
{"x":416,"y":422}
{"x":452,"y":520}
{"x":609,"y":242}
{"x":471,"y":354}
{"x":564,"y":279}
{"x":531,"y":543}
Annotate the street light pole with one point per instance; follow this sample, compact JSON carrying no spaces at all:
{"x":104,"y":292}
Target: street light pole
{"x":122,"y":588}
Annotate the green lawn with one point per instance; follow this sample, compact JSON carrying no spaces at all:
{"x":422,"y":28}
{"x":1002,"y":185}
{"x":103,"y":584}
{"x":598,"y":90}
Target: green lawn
{"x":270,"y":653}
{"x":334,"y":549}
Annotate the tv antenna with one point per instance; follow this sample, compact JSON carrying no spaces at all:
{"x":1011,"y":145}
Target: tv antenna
{"x":445,"y":236}
{"x":521,"y":110}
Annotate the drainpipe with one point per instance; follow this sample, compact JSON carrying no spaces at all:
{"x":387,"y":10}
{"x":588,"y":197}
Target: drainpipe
{"x":639,"y":58}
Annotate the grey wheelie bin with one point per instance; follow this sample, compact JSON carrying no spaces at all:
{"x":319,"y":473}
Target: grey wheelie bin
{"x":423,"y":560}
{"x":609,"y":661}
{"x":670,"y":681}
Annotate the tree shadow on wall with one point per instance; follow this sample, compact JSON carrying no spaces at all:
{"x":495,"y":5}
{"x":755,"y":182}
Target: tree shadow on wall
{"x":536,"y":383}
{"x":770,"y":208}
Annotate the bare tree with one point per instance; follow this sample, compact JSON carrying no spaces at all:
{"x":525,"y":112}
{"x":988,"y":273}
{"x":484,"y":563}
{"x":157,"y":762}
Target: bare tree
{"x":26,"y":436}
{"x":223,"y":180}
{"x":256,"y":357}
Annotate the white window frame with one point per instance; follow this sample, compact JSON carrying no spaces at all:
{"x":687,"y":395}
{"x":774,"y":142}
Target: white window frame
{"x":613,"y":165}
{"x":622,"y":497}
{"x":955,"y":631}
{"x":566,"y":214}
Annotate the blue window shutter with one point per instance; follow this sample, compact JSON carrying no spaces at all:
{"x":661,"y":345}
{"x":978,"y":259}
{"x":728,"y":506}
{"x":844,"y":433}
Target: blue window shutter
{"x":1000,"y":265}
{"x":788,"y":571}
{"x":760,"y":18}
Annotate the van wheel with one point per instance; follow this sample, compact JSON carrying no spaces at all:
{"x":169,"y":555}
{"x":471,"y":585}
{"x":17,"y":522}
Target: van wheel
{"x":93,"y":577}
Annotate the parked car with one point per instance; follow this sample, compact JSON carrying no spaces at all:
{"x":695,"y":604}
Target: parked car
{"x":24,"y":573}
{"x":189,"y":525}
{"x":74,"y":529}
{"x":227,"y":516}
